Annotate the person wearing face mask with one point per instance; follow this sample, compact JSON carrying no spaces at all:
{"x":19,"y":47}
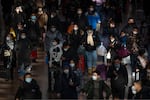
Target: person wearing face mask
{"x":129,"y":26}
{"x":74,"y":36}
{"x":113,"y":46}
{"x":50,"y":35}
{"x":77,"y":71}
{"x":53,"y":19}
{"x":54,"y":64}
{"x":118,"y":78}
{"x":9,"y":56}
{"x":69,"y":83}
{"x":29,"y":89}
{"x":18,"y":15}
{"x":112,"y":29}
{"x":24,"y":48}
{"x":138,"y":91}
{"x":90,"y":43}
{"x":34,"y":35}
{"x":95,"y":87}
{"x":68,"y":53}
{"x":93,"y":17}
{"x":81,"y":19}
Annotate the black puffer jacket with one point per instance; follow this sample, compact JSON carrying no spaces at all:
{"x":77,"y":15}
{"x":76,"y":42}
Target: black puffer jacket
{"x":29,"y":91}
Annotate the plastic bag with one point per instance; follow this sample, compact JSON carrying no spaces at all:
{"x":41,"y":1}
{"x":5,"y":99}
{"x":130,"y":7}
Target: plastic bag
{"x":101,"y":50}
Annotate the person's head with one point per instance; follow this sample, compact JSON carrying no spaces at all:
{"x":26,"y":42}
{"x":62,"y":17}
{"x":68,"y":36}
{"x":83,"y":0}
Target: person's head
{"x":117,"y":62}
{"x":20,"y":25}
{"x":33,"y":17}
{"x":28,"y":77}
{"x":66,"y":46}
{"x":66,"y":69}
{"x":72,"y":64}
{"x":90,"y":30}
{"x":79,"y":11}
{"x":53,"y":14}
{"x":75,"y":27}
{"x":112,"y":38}
{"x":53,"y":28}
{"x":131,"y":20}
{"x":122,"y":33}
{"x":91,"y":8}
{"x":40,"y":11}
{"x":95,"y":75}
{"x":9,"y":37}
{"x":135,"y":30}
{"x":23,"y":35}
{"x":137,"y":86}
{"x":112,"y":24}
{"x":18,"y":9}
{"x":55,"y":41}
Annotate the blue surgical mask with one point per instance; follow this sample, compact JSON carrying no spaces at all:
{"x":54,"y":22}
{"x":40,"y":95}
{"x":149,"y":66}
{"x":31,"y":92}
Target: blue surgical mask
{"x":117,"y":66}
{"x":33,"y":18}
{"x":28,"y":80}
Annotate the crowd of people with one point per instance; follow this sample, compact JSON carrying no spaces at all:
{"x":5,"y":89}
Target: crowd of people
{"x":81,"y":38}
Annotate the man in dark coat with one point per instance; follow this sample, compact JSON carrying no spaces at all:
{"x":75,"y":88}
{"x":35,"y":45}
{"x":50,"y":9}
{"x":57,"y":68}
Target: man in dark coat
{"x":95,"y":86}
{"x":29,"y":89}
{"x":119,"y":78}
{"x":139,"y":91}
{"x":69,"y":83}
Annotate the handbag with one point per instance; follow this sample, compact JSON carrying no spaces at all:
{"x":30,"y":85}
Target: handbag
{"x":123,"y":52}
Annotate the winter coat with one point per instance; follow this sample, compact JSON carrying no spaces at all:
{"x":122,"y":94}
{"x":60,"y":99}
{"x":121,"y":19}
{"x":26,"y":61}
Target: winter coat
{"x":50,"y":36}
{"x":93,"y":19}
{"x":34,"y":33}
{"x":143,"y":94}
{"x":29,"y":91}
{"x":81,"y":21}
{"x":89,"y":47}
{"x":69,"y":91}
{"x":119,"y":80}
{"x":9,"y":54}
{"x":24,"y":50}
{"x":89,"y":89}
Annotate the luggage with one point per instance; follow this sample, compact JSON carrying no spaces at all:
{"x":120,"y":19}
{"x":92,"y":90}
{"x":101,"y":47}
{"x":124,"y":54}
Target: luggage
{"x":81,"y":63}
{"x":33,"y":54}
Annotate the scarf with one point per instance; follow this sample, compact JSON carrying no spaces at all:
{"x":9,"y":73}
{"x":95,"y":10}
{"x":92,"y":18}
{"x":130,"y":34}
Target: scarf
{"x":90,"y":40}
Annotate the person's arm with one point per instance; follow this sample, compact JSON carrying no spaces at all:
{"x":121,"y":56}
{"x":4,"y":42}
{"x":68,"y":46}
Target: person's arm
{"x":19,"y":93}
{"x":107,"y":89}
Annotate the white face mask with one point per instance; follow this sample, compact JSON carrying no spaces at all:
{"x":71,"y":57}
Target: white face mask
{"x":112,"y":25}
{"x":94,"y":77}
{"x":7,"y":38}
{"x":72,"y":65}
{"x":112,"y":40}
{"x":23,"y":36}
{"x":75,"y":28}
{"x":66,"y":71}
{"x":133,"y":90}
{"x":65,"y":49}
{"x":79,"y":12}
{"x":135,"y":32}
{"x":53,"y":29}
{"x":91,"y":9}
{"x":52,"y":16}
{"x":54,"y":43}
